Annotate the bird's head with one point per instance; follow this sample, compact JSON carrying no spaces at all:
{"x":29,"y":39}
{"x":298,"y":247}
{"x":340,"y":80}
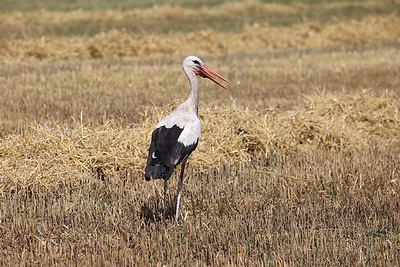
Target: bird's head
{"x":199,"y":68}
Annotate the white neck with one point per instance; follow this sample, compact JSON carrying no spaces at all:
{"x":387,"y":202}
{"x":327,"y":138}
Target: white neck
{"x":193,"y":100}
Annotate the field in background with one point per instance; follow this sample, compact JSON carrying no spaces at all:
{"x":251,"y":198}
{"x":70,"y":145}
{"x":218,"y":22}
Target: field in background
{"x":298,"y":164}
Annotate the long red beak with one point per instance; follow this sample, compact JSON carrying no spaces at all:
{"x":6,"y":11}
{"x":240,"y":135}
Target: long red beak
{"x":206,"y":72}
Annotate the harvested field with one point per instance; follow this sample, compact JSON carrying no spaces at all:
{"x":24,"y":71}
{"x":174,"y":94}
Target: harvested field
{"x":297,"y":165}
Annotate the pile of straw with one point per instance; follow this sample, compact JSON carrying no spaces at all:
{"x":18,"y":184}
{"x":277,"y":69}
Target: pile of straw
{"x":48,"y":156}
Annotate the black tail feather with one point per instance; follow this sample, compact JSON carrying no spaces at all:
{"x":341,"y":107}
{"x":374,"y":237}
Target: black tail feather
{"x":158,"y":171}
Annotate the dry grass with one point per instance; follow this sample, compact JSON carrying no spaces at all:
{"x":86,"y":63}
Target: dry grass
{"x":298,"y":165}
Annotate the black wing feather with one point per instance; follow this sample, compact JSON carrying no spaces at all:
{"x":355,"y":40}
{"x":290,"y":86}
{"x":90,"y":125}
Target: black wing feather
{"x":168,"y":152}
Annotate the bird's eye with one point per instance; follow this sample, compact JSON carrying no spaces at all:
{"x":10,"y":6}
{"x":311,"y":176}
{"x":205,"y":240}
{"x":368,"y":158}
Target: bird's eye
{"x":196,"y":62}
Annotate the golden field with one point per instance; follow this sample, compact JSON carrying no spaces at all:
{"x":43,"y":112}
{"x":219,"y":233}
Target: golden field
{"x":298,"y":163}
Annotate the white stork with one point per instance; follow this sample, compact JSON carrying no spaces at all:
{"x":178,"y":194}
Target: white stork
{"x":177,"y":135}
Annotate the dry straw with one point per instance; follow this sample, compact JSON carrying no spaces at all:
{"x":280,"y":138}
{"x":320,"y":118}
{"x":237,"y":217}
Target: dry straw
{"x":48,"y":156}
{"x":117,"y":44}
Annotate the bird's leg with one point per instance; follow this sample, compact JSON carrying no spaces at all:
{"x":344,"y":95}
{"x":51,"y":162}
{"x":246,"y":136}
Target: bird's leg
{"x":178,"y":198}
{"x":165,"y":199}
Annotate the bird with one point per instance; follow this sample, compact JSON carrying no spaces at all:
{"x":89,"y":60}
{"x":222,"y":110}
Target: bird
{"x":176,"y":136}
